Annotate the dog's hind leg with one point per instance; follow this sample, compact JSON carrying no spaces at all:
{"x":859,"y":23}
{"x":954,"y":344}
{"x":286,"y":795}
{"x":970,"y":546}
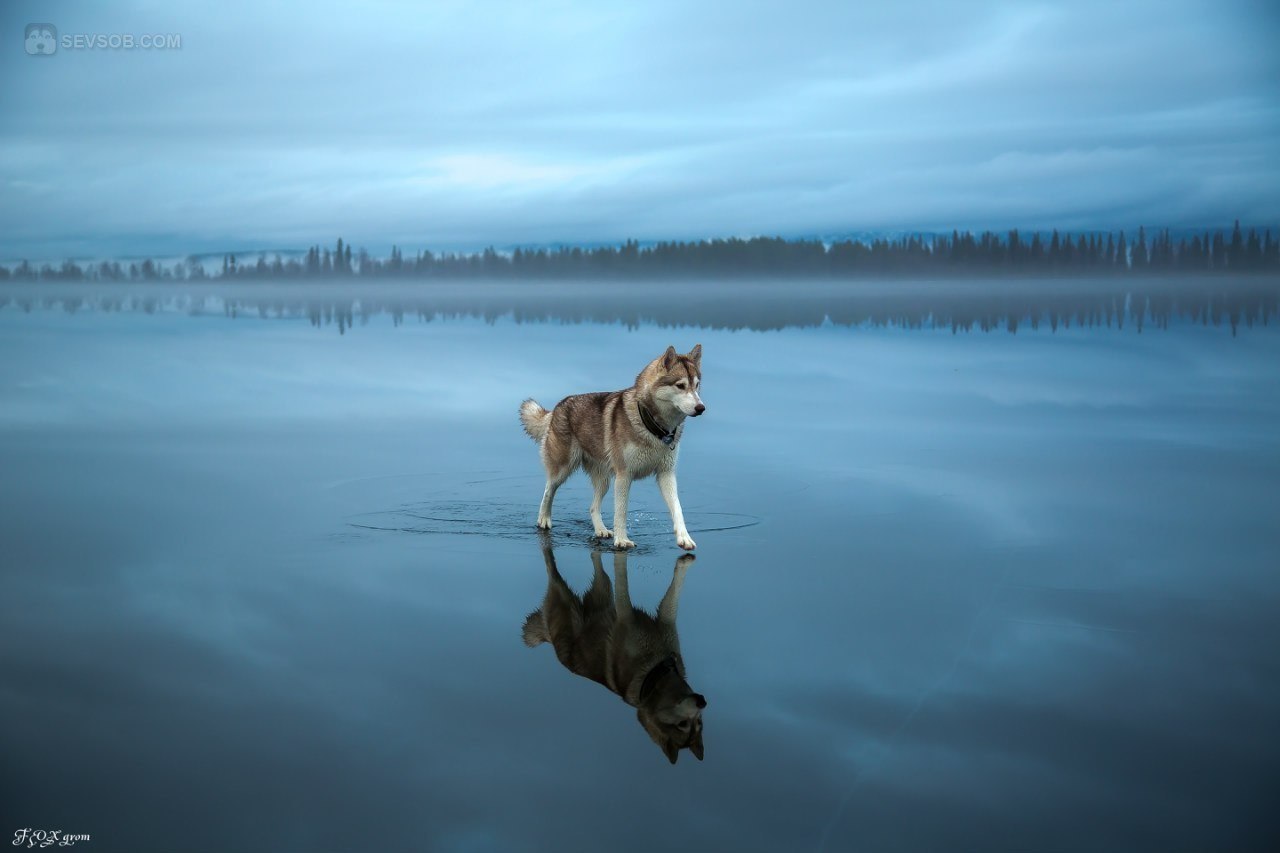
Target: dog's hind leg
{"x":621,"y":492}
{"x":600,"y":485}
{"x":554,"y":482}
{"x":560,"y":460}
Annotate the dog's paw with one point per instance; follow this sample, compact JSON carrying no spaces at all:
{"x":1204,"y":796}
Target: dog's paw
{"x":603,"y":533}
{"x":684,"y":561}
{"x":686,"y":542}
{"x":544,"y":524}
{"x":623,"y":543}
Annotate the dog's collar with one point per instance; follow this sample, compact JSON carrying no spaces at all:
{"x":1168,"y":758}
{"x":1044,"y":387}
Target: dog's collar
{"x":664,"y":666}
{"x":667,"y":437}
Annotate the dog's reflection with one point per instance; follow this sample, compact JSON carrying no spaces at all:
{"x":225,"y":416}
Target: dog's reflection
{"x":601,"y":636}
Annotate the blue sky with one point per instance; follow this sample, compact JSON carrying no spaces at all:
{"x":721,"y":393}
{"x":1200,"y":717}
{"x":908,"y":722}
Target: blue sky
{"x":454,"y":125}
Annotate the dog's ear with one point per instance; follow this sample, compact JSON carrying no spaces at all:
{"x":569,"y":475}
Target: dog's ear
{"x":672,"y":751}
{"x":695,"y":354}
{"x":696,"y":746}
{"x":669,"y":358}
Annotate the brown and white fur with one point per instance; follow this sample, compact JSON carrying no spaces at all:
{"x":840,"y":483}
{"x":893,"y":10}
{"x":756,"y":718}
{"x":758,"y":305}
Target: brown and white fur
{"x":601,"y":636}
{"x":605,"y":433}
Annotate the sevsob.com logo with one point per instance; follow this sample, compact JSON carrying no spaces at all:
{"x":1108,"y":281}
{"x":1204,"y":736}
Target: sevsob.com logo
{"x":41,"y":39}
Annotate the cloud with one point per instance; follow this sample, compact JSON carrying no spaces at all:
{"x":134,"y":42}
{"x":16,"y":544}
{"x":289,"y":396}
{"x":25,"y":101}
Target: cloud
{"x":454,"y":127}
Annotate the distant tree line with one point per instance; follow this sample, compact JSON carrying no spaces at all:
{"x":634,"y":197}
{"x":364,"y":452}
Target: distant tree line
{"x":959,"y":253}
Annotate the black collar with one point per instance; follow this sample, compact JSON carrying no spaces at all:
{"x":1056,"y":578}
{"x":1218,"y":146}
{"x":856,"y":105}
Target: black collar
{"x":664,"y":666}
{"x":667,"y":437}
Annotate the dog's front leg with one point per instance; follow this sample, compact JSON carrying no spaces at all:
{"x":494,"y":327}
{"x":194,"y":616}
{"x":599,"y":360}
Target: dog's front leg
{"x":621,"y":490}
{"x":667,"y":485}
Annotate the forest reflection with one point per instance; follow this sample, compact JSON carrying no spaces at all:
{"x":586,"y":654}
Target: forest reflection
{"x":1012,"y":306}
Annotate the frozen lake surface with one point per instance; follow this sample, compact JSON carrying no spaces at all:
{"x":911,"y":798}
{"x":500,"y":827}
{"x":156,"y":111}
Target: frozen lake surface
{"x":263,"y":584}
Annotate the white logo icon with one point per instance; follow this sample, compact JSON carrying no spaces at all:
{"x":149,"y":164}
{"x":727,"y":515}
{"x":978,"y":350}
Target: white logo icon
{"x":42,"y":39}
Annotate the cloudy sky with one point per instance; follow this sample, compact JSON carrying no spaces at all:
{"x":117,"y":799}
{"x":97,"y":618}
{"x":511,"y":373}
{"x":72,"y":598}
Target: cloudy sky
{"x":456,"y":125}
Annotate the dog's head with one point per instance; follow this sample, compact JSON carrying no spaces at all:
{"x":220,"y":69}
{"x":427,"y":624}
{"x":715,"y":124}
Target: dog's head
{"x":672,"y":716}
{"x":676,"y":380}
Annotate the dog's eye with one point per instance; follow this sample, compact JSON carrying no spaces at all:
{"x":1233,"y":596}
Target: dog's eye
{"x":682,"y":385}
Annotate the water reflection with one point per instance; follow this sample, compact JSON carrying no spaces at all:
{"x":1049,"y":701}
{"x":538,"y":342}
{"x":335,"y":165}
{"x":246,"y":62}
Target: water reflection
{"x":958,"y":305}
{"x":600,"y":635}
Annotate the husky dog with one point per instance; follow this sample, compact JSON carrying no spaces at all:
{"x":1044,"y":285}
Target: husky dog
{"x":626,"y":435}
{"x":601,"y":636}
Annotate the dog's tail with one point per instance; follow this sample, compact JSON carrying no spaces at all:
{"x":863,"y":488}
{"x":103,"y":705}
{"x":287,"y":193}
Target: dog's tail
{"x":536,"y":419}
{"x":535,"y":629}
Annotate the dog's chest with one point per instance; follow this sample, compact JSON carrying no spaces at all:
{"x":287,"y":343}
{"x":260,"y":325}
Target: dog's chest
{"x":641,"y":460}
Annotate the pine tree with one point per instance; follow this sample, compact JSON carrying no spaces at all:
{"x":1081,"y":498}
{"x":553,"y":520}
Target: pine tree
{"x":1139,"y":254}
{"x":1253,"y":251}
